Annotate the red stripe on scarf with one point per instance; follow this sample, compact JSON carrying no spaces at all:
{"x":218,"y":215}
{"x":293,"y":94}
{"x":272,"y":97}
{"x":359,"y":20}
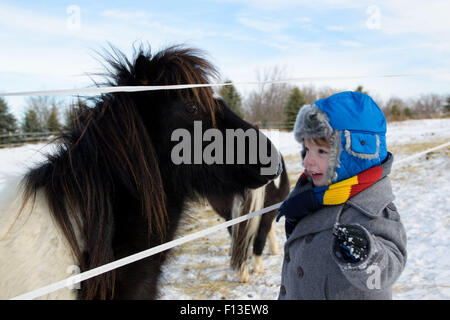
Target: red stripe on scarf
{"x":366,"y":179}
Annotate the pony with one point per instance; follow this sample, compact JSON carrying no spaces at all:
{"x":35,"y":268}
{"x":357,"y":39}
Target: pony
{"x":255,"y":231}
{"x":111,"y":188}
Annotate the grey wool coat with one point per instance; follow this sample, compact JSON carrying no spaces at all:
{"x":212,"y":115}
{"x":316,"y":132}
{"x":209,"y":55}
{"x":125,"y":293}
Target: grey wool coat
{"x":312,"y":271}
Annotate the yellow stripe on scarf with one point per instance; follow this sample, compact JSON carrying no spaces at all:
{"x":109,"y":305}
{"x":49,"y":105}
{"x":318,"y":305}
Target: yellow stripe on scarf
{"x":339,"y":192}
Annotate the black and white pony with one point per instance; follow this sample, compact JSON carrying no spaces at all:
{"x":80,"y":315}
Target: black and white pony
{"x":254,"y":232}
{"x":112,"y":188}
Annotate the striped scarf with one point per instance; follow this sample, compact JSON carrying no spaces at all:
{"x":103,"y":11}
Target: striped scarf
{"x":340,"y":192}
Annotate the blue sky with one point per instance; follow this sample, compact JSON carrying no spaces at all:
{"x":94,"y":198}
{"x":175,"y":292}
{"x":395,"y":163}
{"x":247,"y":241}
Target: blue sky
{"x":51,"y":44}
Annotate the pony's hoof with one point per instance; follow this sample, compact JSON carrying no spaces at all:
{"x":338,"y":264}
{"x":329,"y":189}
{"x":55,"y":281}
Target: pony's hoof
{"x":258,"y":269}
{"x":274,"y":251}
{"x":244,"y":276}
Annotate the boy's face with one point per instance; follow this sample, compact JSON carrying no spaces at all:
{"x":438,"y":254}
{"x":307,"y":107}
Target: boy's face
{"x":316,"y":162}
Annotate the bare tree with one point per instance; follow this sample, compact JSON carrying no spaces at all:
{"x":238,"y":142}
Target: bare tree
{"x":43,"y":106}
{"x":394,"y":101}
{"x":313,"y":93}
{"x":40,"y":105}
{"x":428,"y":105}
{"x":266,"y":104}
{"x":309,"y":93}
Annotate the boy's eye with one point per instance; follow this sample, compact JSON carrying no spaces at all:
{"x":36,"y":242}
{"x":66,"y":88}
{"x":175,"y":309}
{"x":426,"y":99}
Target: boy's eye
{"x":321,"y":151}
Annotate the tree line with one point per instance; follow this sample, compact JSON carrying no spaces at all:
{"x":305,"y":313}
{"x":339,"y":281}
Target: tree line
{"x":276,"y":105}
{"x":44,"y":116}
{"x":268,"y":106}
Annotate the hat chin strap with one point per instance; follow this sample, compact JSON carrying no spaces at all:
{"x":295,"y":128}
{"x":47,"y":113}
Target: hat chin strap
{"x":333,"y":159}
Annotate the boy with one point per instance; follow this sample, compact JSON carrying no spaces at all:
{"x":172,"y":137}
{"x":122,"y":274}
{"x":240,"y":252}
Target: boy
{"x":345,"y":239}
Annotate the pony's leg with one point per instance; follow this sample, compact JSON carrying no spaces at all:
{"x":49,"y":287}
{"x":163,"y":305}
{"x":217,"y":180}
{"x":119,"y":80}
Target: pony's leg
{"x":260,"y":240}
{"x":273,"y":241}
{"x":273,"y":250}
{"x":263,"y":231}
{"x":258,"y":265}
{"x":244,"y":275}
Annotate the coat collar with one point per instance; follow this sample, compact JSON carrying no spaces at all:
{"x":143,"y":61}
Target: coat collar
{"x":377,"y":196}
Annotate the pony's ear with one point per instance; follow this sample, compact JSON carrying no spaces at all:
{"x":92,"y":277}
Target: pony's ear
{"x":142,"y":70}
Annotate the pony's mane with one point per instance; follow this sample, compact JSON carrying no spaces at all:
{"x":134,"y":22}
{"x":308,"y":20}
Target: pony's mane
{"x":171,"y":66}
{"x":107,"y":148}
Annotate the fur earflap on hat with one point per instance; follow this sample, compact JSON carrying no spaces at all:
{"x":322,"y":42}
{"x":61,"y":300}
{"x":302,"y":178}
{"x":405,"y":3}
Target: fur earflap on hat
{"x":355,"y":126}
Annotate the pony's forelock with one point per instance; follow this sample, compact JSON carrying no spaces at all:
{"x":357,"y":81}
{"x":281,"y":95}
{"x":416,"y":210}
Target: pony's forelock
{"x":173,"y":65}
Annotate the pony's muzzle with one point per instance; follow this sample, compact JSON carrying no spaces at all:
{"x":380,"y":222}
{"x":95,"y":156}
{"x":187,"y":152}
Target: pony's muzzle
{"x":280,"y":165}
{"x":276,"y":164}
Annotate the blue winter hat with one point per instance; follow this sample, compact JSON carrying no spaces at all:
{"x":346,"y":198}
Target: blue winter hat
{"x":355,"y":126}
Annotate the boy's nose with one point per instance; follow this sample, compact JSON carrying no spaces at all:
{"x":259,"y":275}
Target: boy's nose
{"x":309,"y":160}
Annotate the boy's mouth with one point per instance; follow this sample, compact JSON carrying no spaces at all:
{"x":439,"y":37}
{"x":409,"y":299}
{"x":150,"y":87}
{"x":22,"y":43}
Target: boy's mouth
{"x":316,"y":175}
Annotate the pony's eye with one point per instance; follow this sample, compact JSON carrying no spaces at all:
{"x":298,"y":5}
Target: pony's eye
{"x":191,"y":108}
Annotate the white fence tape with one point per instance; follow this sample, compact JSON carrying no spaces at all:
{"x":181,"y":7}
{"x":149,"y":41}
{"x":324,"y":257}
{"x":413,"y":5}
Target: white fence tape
{"x":100,"y":90}
{"x":138,"y":256}
{"x":70,"y":281}
{"x":418,"y":155}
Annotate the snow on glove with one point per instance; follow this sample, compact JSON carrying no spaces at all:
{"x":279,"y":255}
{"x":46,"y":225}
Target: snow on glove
{"x":351,"y":243}
{"x":297,"y":207}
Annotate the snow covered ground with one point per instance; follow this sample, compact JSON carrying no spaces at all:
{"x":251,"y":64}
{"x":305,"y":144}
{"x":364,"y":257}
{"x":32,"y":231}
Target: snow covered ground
{"x":200,"y":269}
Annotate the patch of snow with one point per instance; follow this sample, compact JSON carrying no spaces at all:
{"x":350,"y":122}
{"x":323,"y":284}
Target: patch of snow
{"x":200,"y":269}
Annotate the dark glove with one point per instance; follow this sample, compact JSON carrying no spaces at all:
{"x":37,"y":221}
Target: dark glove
{"x":297,"y":207}
{"x":351,"y":243}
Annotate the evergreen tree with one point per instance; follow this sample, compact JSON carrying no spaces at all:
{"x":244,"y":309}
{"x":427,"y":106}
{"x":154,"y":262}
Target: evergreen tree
{"x":295,"y":101}
{"x":360,"y":89}
{"x":232,"y":98}
{"x":8,"y":122}
{"x":71,"y":114}
{"x":31,"y":122}
{"x":395,"y":112}
{"x":53,"y":122}
{"x":407,"y":112}
{"x":447,"y":105}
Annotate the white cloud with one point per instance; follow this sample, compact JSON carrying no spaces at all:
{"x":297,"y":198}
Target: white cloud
{"x":65,"y":54}
{"x":363,"y":64}
{"x":336,"y":28}
{"x":263,"y":25}
{"x":419,"y":17}
{"x":20,"y":19}
{"x":350,"y":43}
{"x":278,"y":5}
{"x":126,"y":15}
{"x":303,"y":19}
{"x":25,"y":22}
